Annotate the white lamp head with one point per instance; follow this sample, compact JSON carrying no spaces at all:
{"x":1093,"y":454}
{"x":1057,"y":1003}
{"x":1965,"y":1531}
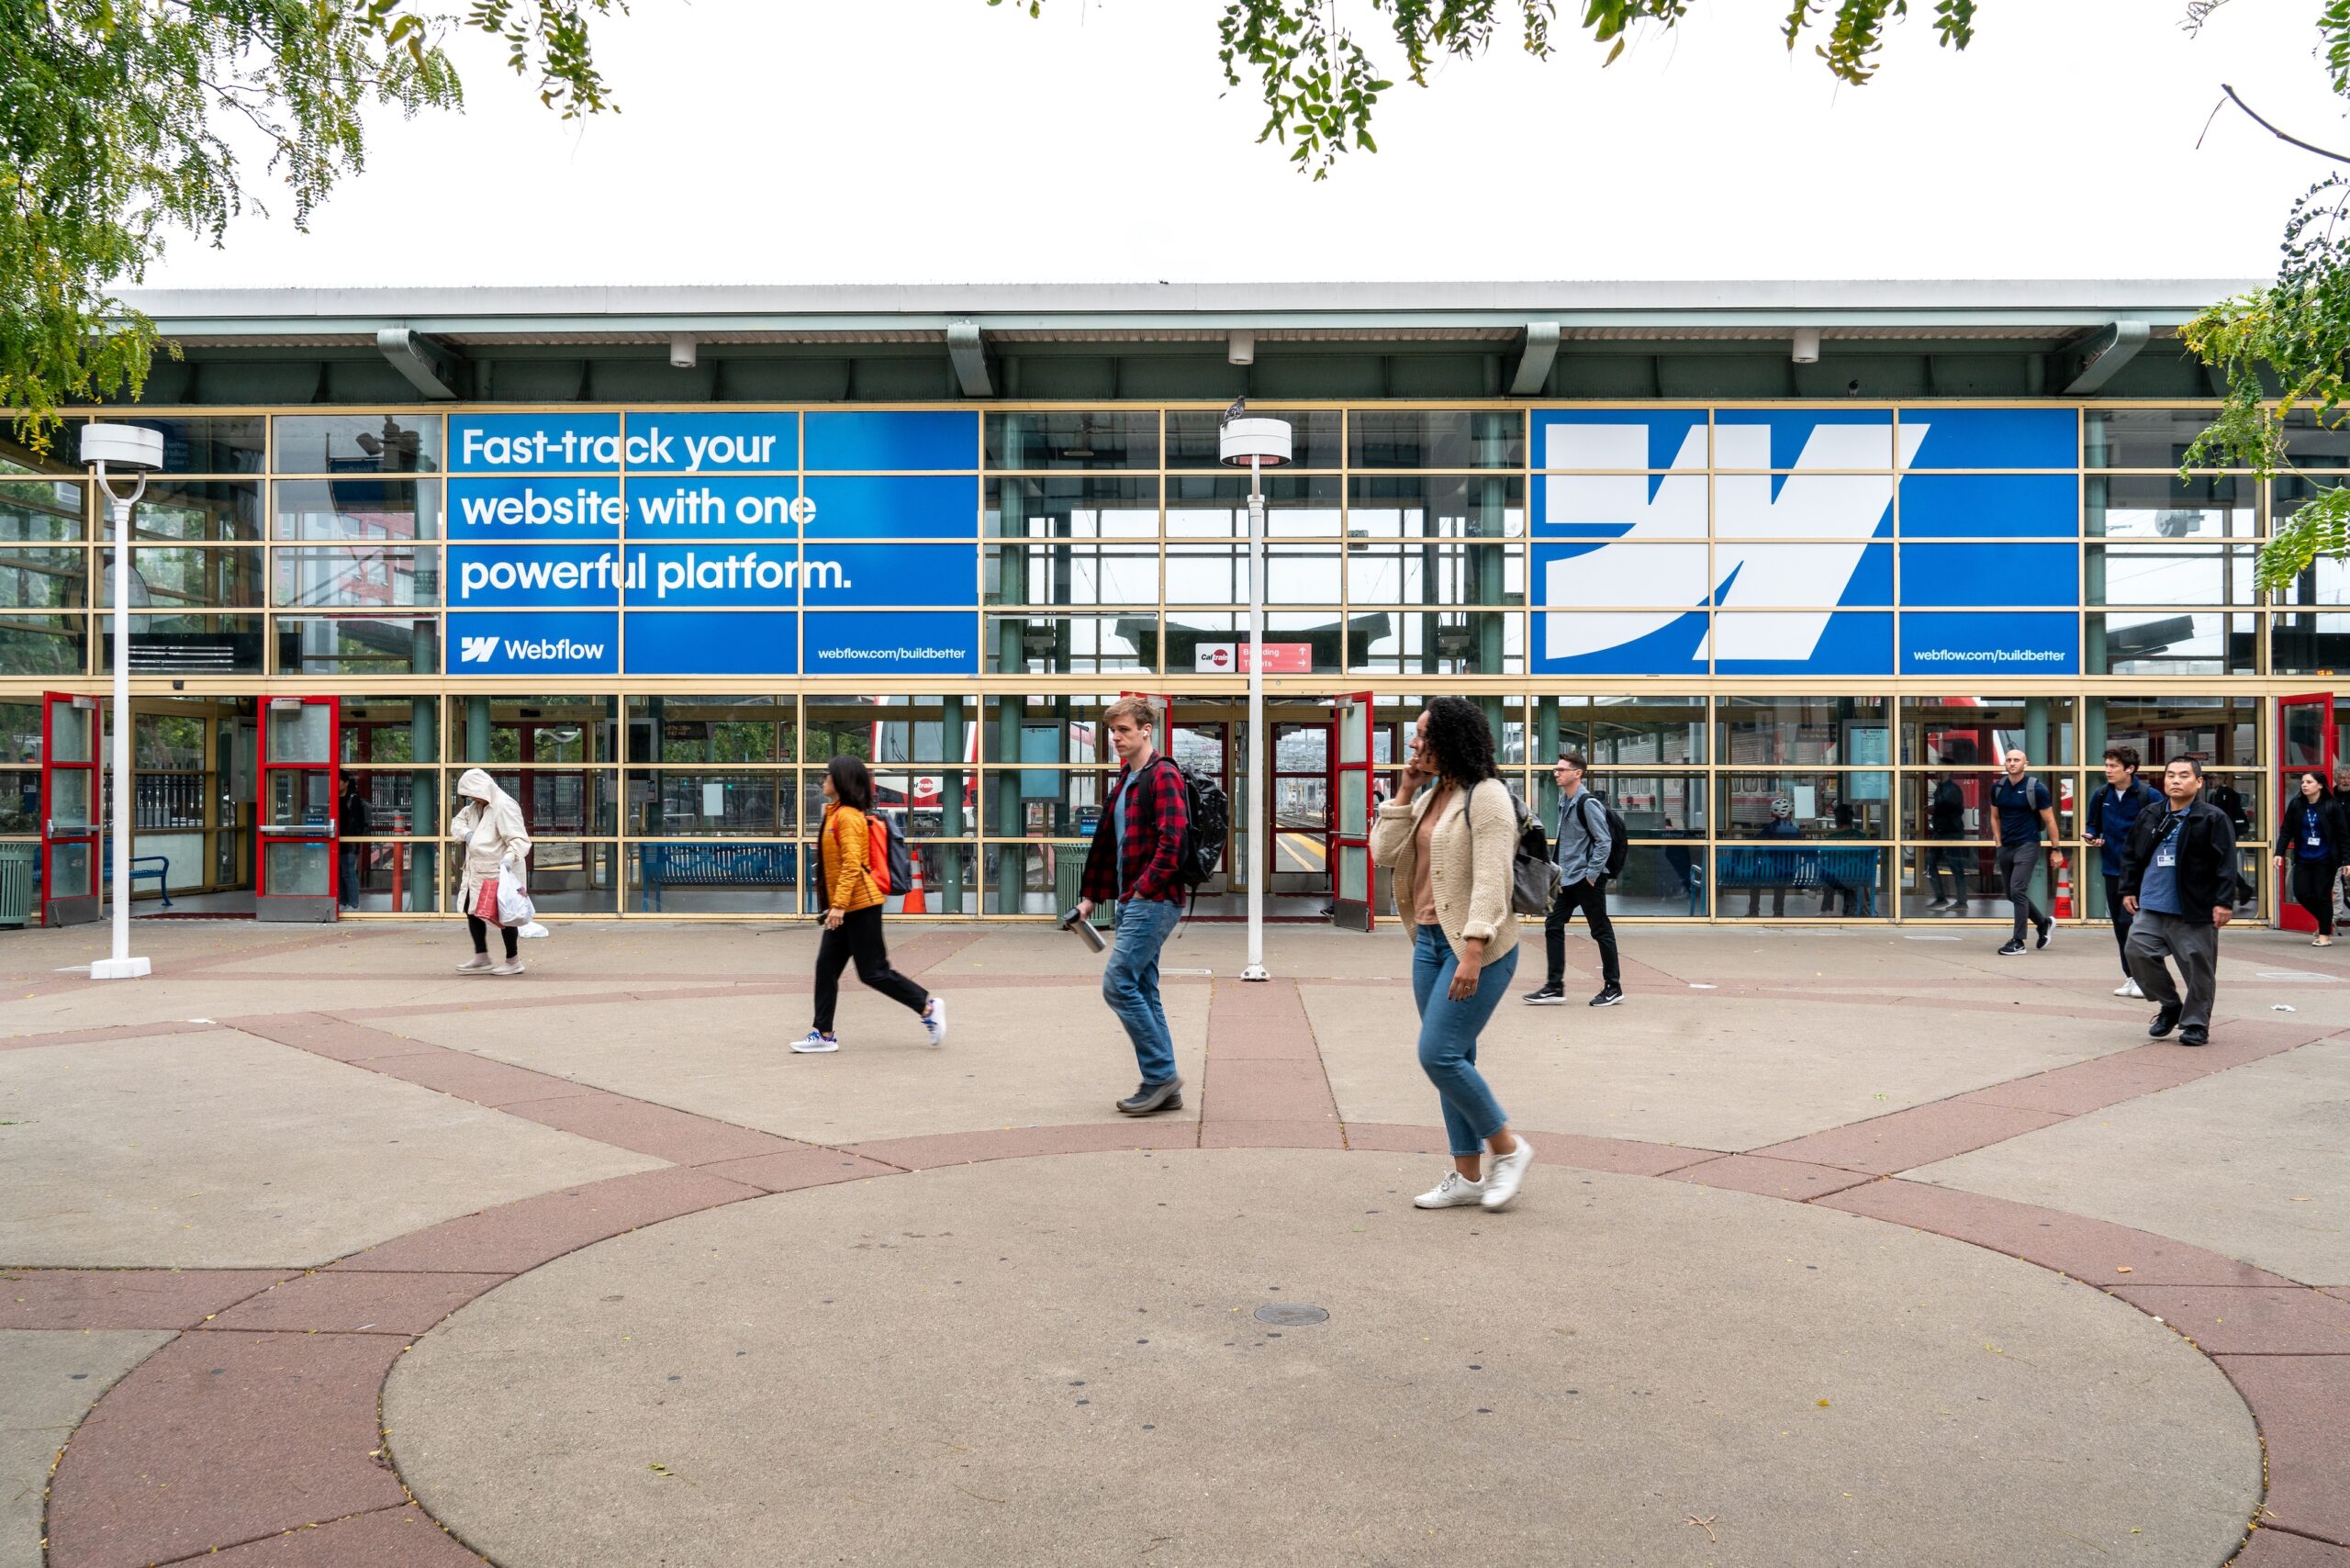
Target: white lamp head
{"x":1251,"y":436}
{"x":1806,"y":345}
{"x":122,"y":446}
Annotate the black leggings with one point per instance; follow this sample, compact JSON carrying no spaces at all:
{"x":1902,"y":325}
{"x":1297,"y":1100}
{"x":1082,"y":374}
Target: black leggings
{"x":480,"y":928}
{"x":2314,"y":890}
{"x":859,"y":937}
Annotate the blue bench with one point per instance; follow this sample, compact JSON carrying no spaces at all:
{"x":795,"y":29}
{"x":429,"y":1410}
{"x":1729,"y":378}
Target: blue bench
{"x":664,"y":866}
{"x":1805,"y":869}
{"x":156,"y":868}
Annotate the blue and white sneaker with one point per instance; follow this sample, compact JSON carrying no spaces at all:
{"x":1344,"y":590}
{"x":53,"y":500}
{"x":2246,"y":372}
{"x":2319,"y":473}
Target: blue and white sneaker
{"x":816,"y":1043}
{"x":934,"y":1021}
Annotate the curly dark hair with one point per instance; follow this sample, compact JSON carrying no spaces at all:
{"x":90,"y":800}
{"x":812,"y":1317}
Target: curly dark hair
{"x":1461,"y":740}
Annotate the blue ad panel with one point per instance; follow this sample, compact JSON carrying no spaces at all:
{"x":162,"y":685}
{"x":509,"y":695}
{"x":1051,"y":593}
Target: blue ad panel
{"x":763,"y":577}
{"x":916,"y":643}
{"x":1999,"y":506}
{"x":1994,"y":438}
{"x":758,"y":641}
{"x":533,"y":443}
{"x":909,"y":575}
{"x":2002,"y":643}
{"x":1586,"y":439}
{"x":550,"y":512}
{"x":687,"y":510}
{"x":545,"y":642}
{"x":1803,"y":438}
{"x":532,"y":576}
{"x":662,"y":442}
{"x":930,"y":506}
{"x":860,"y":442}
{"x":1990,"y":575}
{"x":1848,"y":641}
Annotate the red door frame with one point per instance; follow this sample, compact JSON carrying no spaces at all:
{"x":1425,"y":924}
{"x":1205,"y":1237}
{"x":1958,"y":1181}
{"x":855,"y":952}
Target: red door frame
{"x":2290,"y":916}
{"x":1350,"y":849}
{"x":92,"y":835}
{"x":263,"y":766}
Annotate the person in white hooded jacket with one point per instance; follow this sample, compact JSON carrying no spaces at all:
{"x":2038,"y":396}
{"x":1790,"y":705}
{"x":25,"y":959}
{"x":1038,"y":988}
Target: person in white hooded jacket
{"x":490,"y":827}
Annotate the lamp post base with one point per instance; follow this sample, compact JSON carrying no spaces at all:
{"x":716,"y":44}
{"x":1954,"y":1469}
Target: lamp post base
{"x":1256,"y":972}
{"x":120,"y":969}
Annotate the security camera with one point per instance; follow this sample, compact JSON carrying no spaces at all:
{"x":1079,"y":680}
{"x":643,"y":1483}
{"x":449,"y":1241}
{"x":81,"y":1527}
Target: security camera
{"x":682,"y":349}
{"x":1852,"y":387}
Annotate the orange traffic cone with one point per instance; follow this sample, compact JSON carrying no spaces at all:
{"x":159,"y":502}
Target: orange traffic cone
{"x":2064,"y":890}
{"x":915,"y":903}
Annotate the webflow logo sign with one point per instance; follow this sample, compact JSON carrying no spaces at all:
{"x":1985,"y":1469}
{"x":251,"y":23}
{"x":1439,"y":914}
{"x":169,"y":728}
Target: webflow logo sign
{"x":547,"y":643}
{"x":1651,"y":554}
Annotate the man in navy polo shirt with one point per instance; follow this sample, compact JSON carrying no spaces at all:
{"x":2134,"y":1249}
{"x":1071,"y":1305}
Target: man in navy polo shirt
{"x":2024,"y":807}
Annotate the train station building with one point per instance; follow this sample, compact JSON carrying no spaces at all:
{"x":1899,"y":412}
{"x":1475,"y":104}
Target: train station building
{"x":1766,"y":553}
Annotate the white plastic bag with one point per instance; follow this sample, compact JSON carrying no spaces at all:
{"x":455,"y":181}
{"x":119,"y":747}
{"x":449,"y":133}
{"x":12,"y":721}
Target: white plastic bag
{"x":514,"y":906}
{"x":534,"y":929}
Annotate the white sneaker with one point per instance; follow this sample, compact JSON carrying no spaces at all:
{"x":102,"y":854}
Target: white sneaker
{"x":510,"y":967}
{"x":1455,"y":1191}
{"x":1508,"y":1170}
{"x":477,"y":965}
{"x":814,"y":1044}
{"x":2130,"y":987}
{"x":934,"y":1021}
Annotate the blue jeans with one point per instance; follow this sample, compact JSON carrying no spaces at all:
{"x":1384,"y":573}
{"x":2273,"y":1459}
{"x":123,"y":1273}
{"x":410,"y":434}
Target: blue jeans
{"x":1449,"y":1031}
{"x":1130,"y":983}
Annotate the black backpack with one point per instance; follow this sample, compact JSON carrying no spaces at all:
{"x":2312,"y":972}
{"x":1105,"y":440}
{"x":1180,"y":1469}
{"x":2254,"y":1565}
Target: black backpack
{"x":1619,"y":848}
{"x":1211,"y":822}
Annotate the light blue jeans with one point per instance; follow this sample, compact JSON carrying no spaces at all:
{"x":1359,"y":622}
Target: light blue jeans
{"x":1449,"y":1031}
{"x":1130,"y":983}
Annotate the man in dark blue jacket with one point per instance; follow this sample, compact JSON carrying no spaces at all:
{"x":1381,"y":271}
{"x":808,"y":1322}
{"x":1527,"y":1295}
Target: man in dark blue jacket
{"x":2113,"y":810}
{"x":2178,"y":879}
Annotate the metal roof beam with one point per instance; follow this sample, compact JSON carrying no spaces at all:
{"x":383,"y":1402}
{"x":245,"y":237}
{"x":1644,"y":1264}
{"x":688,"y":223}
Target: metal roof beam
{"x":2095,"y":360}
{"x":432,"y":366}
{"x":1534,"y":360}
{"x":969,"y":350}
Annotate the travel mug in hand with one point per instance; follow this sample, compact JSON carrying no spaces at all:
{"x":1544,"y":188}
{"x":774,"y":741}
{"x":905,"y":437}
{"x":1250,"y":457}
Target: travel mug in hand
{"x":1075,"y":922}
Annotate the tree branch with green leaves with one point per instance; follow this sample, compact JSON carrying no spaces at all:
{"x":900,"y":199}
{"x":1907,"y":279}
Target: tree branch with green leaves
{"x":123,"y":122}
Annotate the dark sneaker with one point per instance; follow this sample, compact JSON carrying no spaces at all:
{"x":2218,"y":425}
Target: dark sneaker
{"x":2047,"y":929}
{"x":1609,"y":995}
{"x":1151,"y":1098}
{"x":2193,"y":1035}
{"x":2011,"y":949}
{"x":1550,"y":995}
{"x":2165,"y":1020}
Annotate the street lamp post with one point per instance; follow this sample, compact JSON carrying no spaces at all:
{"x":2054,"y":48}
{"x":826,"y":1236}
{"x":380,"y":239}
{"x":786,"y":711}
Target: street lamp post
{"x":1261,"y":443}
{"x":140,"y":451}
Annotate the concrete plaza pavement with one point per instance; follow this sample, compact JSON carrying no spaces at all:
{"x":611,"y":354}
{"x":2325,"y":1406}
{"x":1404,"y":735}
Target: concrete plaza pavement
{"x":1843,"y":1243}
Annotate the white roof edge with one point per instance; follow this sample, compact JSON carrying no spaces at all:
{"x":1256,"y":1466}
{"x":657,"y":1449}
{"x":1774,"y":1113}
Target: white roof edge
{"x":2034,"y":301}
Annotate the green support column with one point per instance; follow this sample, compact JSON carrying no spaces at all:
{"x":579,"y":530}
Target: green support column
{"x":1546,"y":752}
{"x":477,"y":730}
{"x":1009,"y":858}
{"x":425,"y":789}
{"x":949,"y":892}
{"x":2091,"y":882}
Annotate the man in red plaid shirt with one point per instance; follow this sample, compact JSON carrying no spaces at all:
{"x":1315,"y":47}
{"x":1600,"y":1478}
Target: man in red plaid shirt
{"x":1133,"y":861}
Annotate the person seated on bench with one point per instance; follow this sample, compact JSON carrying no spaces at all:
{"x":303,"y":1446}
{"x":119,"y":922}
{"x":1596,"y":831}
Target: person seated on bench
{"x":1780,"y":864}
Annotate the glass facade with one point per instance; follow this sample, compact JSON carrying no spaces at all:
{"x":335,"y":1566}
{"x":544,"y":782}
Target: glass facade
{"x":1777,"y":631}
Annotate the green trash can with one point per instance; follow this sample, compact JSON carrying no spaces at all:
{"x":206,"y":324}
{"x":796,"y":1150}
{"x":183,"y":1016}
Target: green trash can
{"x":19,"y":882}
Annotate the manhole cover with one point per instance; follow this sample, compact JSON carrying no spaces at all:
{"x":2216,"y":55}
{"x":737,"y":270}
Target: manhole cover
{"x":1291,"y":1314}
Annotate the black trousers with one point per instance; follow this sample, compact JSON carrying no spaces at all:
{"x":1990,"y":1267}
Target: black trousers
{"x":1593,"y":902}
{"x":2120,"y":918}
{"x":860,"y":938}
{"x":480,"y":928}
{"x":2314,"y":890}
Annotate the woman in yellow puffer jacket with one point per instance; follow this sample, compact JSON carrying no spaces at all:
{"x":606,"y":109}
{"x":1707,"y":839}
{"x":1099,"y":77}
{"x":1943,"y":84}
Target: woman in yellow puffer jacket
{"x":853,"y":905}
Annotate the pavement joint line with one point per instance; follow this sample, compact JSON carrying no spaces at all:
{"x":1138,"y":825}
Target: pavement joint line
{"x":314,"y":1524}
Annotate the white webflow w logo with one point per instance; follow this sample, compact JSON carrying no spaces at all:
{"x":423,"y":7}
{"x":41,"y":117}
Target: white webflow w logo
{"x":1839,"y":513}
{"x":477,"y":650}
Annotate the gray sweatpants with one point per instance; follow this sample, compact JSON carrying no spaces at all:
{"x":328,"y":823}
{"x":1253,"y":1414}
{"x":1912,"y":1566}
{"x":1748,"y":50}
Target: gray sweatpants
{"x":2195,"y":948}
{"x":2017,"y":864}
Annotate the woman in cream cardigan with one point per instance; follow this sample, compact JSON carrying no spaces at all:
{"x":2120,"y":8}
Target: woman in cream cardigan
{"x":490,"y":827}
{"x":1448,"y":835}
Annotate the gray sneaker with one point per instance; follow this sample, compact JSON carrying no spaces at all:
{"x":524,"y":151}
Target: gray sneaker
{"x":477,"y":965}
{"x":510,"y":967}
{"x":1151,"y":1098}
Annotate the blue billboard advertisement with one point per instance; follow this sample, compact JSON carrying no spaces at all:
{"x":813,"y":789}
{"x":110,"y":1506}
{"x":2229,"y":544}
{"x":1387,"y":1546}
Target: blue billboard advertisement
{"x":1764,"y":542}
{"x":703,"y":536}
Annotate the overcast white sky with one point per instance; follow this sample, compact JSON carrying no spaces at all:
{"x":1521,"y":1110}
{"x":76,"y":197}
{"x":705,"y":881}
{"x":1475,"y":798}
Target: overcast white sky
{"x":945,"y":141}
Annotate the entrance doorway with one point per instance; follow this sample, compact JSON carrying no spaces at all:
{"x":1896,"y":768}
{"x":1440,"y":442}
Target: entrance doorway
{"x":2308,"y":741}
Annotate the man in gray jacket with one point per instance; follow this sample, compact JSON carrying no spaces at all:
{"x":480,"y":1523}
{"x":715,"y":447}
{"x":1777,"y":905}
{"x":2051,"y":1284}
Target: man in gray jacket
{"x":1580,"y":845}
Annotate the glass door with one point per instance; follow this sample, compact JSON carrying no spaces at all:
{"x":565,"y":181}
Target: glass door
{"x":1299,"y":855}
{"x":68,"y":809}
{"x":2306,"y":742}
{"x":1351,"y":905}
{"x":300,"y":779}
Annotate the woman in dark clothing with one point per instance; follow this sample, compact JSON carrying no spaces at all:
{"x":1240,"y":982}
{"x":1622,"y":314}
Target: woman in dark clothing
{"x":2313,"y":840}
